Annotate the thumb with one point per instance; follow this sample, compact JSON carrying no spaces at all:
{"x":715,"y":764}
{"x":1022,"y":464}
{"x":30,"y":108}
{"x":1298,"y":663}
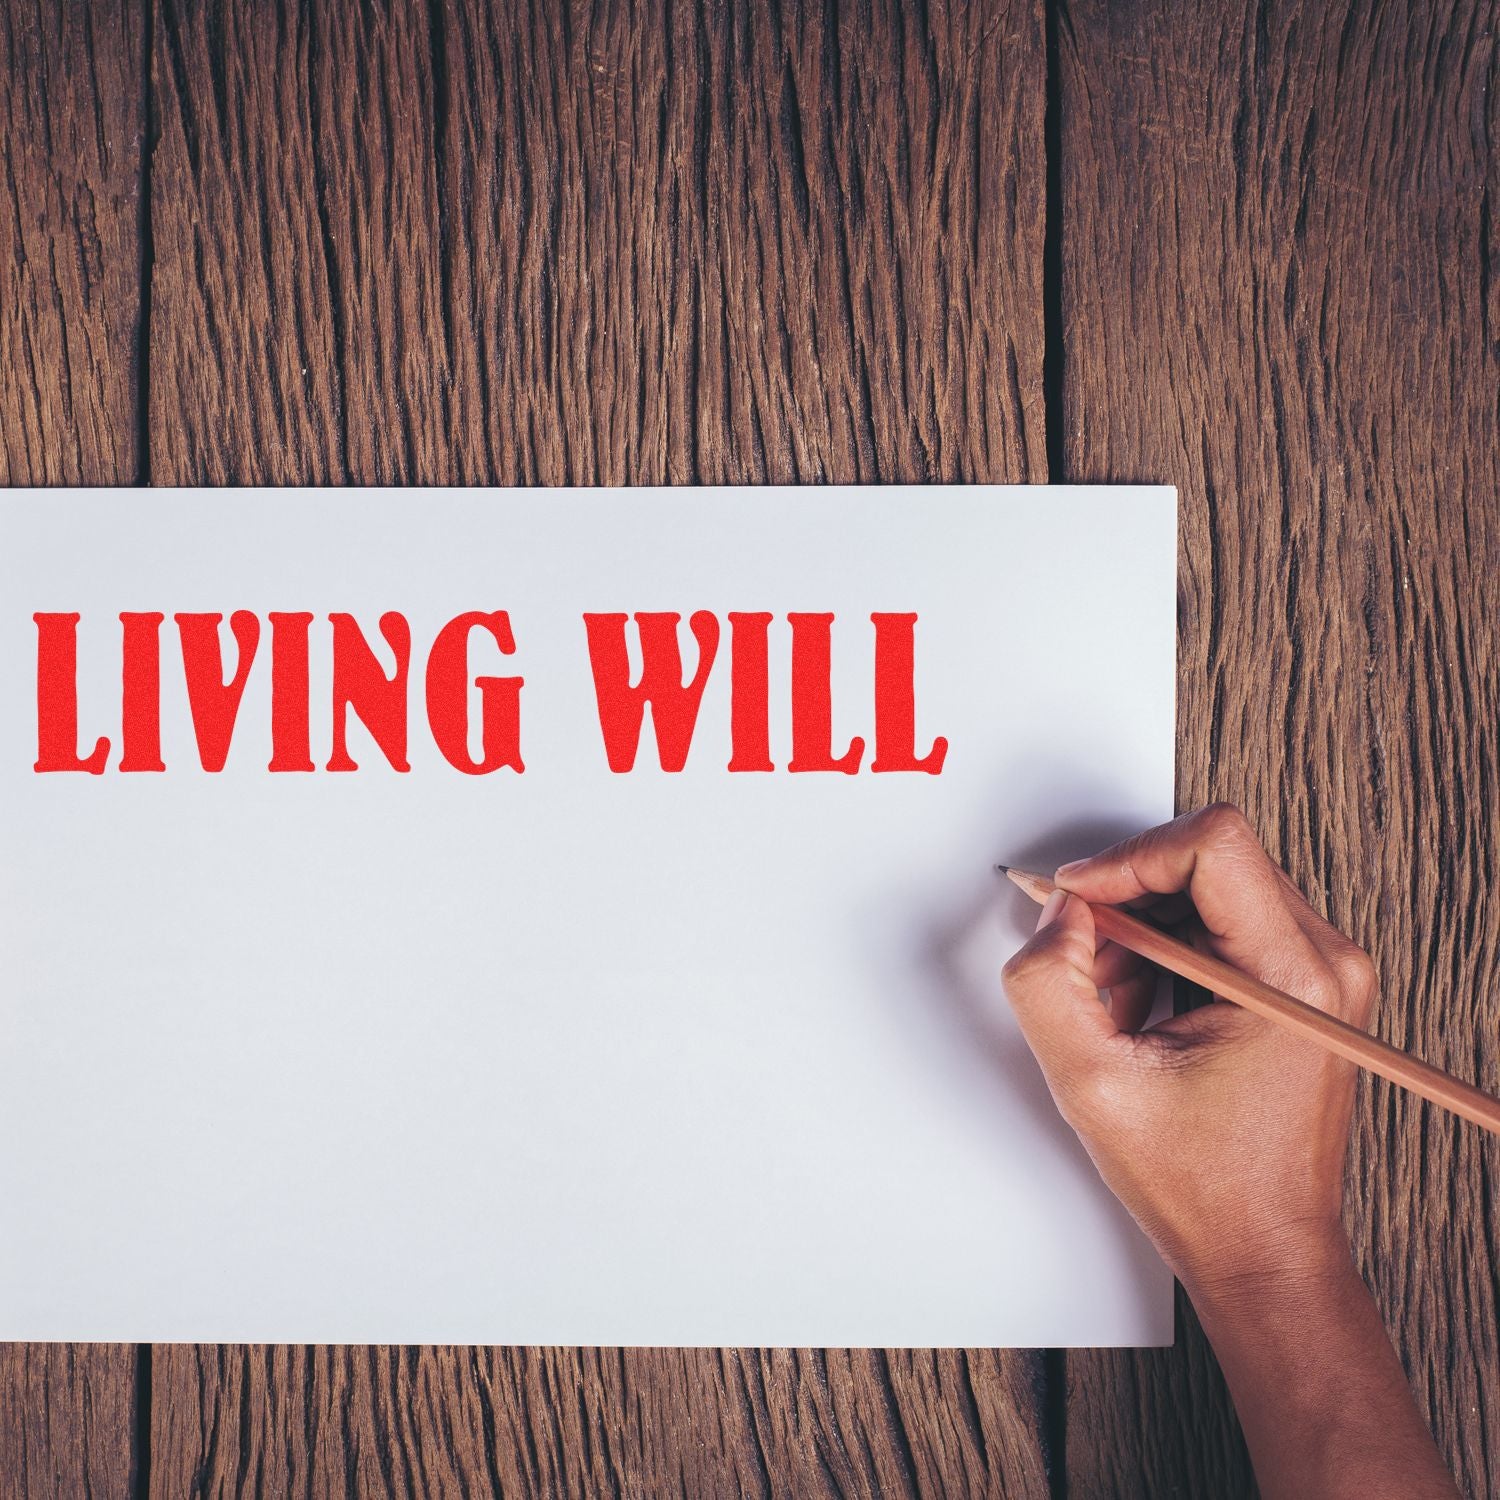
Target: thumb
{"x":1051,"y":988}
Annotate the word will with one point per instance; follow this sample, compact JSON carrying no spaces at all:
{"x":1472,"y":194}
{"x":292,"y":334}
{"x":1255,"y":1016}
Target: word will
{"x":362,"y":687}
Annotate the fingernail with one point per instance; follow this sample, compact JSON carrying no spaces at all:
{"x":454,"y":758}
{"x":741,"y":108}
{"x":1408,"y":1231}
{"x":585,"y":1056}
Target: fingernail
{"x":1071,"y":868}
{"x":1050,"y":908}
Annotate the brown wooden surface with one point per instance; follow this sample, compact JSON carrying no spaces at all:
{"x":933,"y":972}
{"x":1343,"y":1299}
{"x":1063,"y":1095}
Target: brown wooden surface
{"x":72,"y":112}
{"x":455,"y":242}
{"x":550,"y":1422}
{"x":1281,"y":249}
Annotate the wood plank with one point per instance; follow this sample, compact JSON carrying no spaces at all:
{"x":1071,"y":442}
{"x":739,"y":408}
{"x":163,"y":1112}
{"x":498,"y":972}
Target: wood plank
{"x":72,"y":113}
{"x":245,"y":381}
{"x":69,"y":1420}
{"x":1280,"y":293}
{"x":600,"y":244}
{"x":72,"y":120}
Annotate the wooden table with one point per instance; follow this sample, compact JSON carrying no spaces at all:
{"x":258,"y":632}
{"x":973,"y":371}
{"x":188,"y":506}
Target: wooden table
{"x":1250,"y":249}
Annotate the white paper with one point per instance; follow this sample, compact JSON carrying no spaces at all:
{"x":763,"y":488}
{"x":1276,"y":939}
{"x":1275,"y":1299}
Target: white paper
{"x":568,"y":1056}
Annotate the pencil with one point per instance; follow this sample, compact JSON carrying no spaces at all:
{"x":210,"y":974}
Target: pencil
{"x":1339,"y":1037}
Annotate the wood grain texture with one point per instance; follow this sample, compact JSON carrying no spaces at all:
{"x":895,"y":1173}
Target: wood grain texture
{"x":68,"y":1421}
{"x":1281,"y":293}
{"x":72,"y":118}
{"x":596,"y":244}
{"x":547,"y":1422}
{"x":71,"y":123}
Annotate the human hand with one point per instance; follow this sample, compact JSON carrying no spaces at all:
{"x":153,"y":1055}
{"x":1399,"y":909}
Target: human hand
{"x":1221,"y":1133}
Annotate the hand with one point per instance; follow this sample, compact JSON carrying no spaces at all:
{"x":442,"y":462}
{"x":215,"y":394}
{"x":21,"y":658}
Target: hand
{"x":1224,"y":1135}
{"x":1221,"y":1133}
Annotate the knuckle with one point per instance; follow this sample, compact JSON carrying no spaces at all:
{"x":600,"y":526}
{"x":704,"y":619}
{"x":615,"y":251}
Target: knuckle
{"x":1355,"y":970}
{"x":1023,"y":967}
{"x":1226,"y":824}
{"x":1322,"y":989}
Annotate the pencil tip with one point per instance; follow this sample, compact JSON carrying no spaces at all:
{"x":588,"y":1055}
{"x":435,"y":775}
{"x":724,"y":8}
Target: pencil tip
{"x":1002,"y":869}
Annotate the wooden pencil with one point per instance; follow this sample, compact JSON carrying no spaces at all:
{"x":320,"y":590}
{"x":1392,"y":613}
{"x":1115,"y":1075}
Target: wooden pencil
{"x":1306,"y":1020}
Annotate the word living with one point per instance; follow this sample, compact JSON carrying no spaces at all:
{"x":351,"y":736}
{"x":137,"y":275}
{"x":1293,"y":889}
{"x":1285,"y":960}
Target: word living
{"x":362,"y":687}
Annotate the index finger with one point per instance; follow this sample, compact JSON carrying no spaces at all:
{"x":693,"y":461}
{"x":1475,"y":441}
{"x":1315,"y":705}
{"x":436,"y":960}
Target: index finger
{"x":1240,"y":895}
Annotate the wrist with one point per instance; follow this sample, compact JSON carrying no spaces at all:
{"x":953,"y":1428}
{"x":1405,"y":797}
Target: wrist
{"x":1298,"y":1263}
{"x":1320,"y":1393}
